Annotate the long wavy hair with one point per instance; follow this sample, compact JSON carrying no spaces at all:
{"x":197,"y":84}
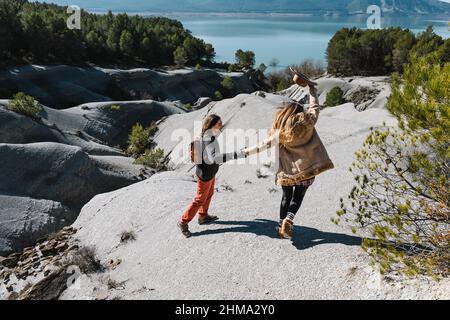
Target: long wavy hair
{"x":288,"y":120}
{"x":209,"y":122}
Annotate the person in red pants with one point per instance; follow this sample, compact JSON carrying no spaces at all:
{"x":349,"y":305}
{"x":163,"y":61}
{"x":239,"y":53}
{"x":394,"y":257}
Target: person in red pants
{"x":206,"y":170}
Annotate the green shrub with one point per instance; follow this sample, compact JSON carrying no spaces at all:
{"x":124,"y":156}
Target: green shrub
{"x":153,"y":158}
{"x":234,"y":68}
{"x":198,"y":66}
{"x":188,"y":106}
{"x":426,"y":43}
{"x":115,"y":108}
{"x":334,"y":97}
{"x":139,"y":138}
{"x":400,"y":202}
{"x":227,"y":85}
{"x":218,"y":95}
{"x":26,"y":105}
{"x":444,"y":51}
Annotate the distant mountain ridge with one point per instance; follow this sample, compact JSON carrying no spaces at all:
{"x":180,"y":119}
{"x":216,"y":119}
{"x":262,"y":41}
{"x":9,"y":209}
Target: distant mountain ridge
{"x":280,"y":6}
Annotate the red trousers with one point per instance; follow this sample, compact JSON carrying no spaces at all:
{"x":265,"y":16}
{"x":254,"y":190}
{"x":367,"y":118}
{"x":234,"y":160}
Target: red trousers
{"x":202,"y":200}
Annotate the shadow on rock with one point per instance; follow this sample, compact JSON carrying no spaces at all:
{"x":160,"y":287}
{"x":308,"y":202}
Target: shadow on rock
{"x":303,"y":237}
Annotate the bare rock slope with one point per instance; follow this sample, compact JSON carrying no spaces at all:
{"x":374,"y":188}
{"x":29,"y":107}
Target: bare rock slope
{"x":95,"y":127}
{"x":363,"y":92}
{"x":53,"y":166}
{"x":44,"y":185}
{"x":65,"y":86}
{"x":24,"y":220}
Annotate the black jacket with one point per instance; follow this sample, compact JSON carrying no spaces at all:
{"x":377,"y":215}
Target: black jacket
{"x":211,"y":158}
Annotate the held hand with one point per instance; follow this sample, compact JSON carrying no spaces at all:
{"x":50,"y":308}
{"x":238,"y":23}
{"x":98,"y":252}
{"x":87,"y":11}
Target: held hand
{"x":242,"y":154}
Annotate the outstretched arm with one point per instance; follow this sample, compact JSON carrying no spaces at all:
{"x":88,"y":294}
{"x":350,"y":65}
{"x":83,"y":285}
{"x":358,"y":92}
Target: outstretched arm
{"x":314,"y":108}
{"x":213,"y":155}
{"x":264,"y":145}
{"x":312,"y":114}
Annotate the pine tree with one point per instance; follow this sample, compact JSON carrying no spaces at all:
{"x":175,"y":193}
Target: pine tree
{"x":245,"y":59}
{"x":126,"y":44}
{"x":401,"y":51}
{"x":426,"y":43}
{"x":210,"y":53}
{"x":180,"y":57}
{"x":400,"y":202}
{"x":11,"y":31}
{"x":37,"y":32}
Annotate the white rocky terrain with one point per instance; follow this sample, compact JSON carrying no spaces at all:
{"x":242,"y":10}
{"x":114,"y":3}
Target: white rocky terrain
{"x":363,"y":92}
{"x":44,"y":184}
{"x":94,"y":127}
{"x":53,"y":166}
{"x":134,"y":232}
{"x":63,"y":86}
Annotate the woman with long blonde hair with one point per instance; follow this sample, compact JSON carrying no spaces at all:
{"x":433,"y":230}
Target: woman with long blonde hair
{"x":302,"y":155}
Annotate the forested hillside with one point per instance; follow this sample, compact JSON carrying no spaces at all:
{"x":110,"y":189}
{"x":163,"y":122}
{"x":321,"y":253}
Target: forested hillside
{"x":354,"y":51}
{"x":38,"y":33}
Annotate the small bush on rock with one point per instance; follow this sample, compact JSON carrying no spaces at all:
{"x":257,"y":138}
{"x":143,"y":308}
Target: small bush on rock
{"x":139,"y":138}
{"x":227,"y":86}
{"x":86,"y":259}
{"x":218,"y":95}
{"x":153,"y":158}
{"x":26,"y":105}
{"x":127,"y":236}
{"x":334,"y":97}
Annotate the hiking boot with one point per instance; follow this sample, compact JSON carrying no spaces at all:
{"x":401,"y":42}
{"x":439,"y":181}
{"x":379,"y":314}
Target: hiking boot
{"x":184,"y":227}
{"x":286,"y":229}
{"x":207,"y":219}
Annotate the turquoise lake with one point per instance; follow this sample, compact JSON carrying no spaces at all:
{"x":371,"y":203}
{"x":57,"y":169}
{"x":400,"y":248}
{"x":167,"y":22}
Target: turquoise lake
{"x":287,"y":39}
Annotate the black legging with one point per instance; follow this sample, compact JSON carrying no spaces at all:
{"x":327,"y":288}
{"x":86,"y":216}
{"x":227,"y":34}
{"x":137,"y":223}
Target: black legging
{"x":292,"y":200}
